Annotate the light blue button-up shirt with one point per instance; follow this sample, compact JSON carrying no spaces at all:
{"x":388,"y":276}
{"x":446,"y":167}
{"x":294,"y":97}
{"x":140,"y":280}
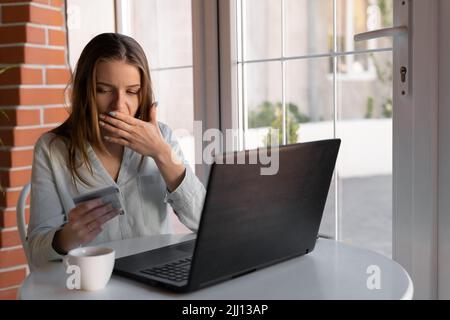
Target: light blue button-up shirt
{"x":143,"y":196}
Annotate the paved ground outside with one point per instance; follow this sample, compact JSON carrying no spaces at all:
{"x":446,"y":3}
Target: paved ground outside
{"x":366,"y":206}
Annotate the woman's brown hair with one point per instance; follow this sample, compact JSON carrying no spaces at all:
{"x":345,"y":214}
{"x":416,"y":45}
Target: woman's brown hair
{"x":82,"y":124}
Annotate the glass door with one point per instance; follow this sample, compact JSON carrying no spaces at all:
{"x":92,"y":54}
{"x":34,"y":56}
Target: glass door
{"x":300,"y":71}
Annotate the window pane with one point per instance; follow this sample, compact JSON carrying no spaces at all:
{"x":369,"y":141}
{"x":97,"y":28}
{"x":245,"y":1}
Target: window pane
{"x":365,"y":159}
{"x":356,"y":16}
{"x":262,"y":100}
{"x":310,"y":114}
{"x":174,"y":93}
{"x":84,"y":23}
{"x":262,"y":29}
{"x":328,"y":223}
{"x":309,"y":98}
{"x":164,"y":29}
{"x":309,"y":27}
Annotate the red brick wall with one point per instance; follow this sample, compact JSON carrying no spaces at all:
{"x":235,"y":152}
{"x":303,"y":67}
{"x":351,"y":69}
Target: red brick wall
{"x":32,"y":37}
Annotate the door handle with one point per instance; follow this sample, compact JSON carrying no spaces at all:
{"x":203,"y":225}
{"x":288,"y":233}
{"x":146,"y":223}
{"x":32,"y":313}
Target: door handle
{"x":386,"y":32}
{"x":400,"y":34}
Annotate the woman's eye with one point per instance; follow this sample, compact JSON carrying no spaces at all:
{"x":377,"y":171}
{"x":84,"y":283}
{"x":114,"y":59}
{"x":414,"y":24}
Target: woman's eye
{"x":132,"y":92}
{"x":100,"y":90}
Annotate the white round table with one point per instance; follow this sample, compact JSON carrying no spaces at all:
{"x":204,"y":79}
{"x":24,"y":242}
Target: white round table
{"x":331,"y":271}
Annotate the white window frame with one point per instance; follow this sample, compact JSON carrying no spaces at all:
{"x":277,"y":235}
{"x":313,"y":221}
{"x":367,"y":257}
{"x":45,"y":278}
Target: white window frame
{"x":415,"y":166}
{"x":205,"y":46}
{"x":123,"y":10}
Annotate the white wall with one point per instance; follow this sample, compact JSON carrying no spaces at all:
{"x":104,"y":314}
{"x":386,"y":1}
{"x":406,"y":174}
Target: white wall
{"x":366,"y":147}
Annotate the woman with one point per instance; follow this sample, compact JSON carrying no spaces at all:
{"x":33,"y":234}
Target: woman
{"x":111,"y":138}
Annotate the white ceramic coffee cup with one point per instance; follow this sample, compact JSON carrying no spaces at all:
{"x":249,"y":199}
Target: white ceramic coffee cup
{"x":95,"y":265}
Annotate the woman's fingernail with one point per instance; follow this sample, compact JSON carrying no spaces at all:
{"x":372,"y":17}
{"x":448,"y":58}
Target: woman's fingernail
{"x":101,"y":123}
{"x":111,"y":113}
{"x":102,"y":116}
{"x":106,"y":137}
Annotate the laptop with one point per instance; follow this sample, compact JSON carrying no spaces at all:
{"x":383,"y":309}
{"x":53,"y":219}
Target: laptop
{"x":249,"y":221}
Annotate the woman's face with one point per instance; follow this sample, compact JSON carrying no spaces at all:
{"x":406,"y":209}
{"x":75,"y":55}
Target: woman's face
{"x":118,"y":85}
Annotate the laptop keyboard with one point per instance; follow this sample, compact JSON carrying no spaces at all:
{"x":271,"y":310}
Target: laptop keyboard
{"x":176,"y":271}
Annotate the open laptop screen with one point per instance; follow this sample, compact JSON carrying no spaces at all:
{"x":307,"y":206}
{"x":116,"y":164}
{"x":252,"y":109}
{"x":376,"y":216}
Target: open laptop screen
{"x":251,"y":220}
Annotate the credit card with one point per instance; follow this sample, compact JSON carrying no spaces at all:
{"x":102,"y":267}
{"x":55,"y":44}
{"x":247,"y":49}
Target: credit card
{"x":108,"y":195}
